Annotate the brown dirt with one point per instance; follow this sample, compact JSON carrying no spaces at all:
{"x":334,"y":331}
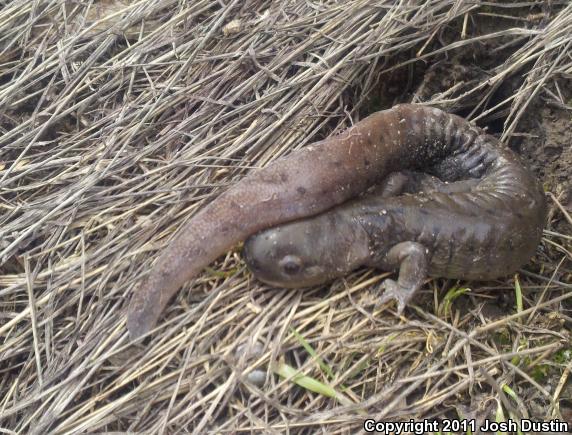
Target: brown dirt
{"x":547,"y":143}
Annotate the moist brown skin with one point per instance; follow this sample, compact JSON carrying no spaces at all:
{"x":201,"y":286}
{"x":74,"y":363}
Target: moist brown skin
{"x":480,"y":228}
{"x":330,"y":172}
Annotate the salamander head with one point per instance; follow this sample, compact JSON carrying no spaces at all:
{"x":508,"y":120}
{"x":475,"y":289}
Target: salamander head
{"x":307,"y":252}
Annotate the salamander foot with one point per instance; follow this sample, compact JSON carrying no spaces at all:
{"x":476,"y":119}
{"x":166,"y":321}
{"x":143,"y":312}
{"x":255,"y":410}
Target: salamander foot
{"x":394,"y":291}
{"x":411,"y":260}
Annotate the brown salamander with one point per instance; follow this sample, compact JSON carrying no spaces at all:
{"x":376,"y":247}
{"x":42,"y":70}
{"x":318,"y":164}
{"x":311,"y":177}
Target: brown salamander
{"x":485,"y":227}
{"x":453,"y":230}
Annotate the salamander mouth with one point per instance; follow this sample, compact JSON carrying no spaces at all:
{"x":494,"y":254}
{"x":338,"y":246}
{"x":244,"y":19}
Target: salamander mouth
{"x":311,"y":276}
{"x":274,"y":283}
{"x":315,"y":277}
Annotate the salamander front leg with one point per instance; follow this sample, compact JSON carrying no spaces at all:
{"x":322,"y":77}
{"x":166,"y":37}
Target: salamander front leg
{"x":411,"y":259}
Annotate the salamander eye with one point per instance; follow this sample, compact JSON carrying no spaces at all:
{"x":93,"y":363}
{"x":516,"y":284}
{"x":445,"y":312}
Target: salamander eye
{"x":291,"y":264}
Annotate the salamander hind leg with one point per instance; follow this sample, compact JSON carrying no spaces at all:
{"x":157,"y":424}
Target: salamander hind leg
{"x":411,"y":260}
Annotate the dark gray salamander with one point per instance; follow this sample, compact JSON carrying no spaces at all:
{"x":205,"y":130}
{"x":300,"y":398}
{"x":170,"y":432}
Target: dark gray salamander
{"x":505,"y":209}
{"x":478,"y":228}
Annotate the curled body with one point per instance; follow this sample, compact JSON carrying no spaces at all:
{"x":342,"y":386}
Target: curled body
{"x":480,"y":216}
{"x":326,"y":174}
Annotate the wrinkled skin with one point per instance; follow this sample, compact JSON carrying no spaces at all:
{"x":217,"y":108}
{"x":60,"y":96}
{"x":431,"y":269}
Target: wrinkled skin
{"x":507,"y":200}
{"x":414,"y":223}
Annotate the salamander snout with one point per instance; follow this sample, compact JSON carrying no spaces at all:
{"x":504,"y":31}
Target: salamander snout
{"x":286,"y":256}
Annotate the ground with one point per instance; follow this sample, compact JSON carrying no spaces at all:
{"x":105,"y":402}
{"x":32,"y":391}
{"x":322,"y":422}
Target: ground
{"x":119,"y":120}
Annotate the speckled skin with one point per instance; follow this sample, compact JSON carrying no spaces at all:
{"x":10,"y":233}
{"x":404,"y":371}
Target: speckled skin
{"x":330,"y":172}
{"x":481,"y":228}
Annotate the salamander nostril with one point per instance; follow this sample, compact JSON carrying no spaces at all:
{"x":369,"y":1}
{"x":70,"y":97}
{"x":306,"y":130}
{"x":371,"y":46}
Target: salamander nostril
{"x":291,"y":264}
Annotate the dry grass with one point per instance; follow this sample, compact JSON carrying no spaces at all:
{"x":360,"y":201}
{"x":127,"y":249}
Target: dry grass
{"x":120,"y":119}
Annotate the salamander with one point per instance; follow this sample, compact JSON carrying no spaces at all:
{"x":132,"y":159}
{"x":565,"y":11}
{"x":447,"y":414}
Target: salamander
{"x":436,"y":229}
{"x":486,"y":226}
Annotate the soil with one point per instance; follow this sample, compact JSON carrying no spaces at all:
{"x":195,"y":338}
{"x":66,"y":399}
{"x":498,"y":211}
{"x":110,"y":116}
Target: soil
{"x":547,"y":144}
